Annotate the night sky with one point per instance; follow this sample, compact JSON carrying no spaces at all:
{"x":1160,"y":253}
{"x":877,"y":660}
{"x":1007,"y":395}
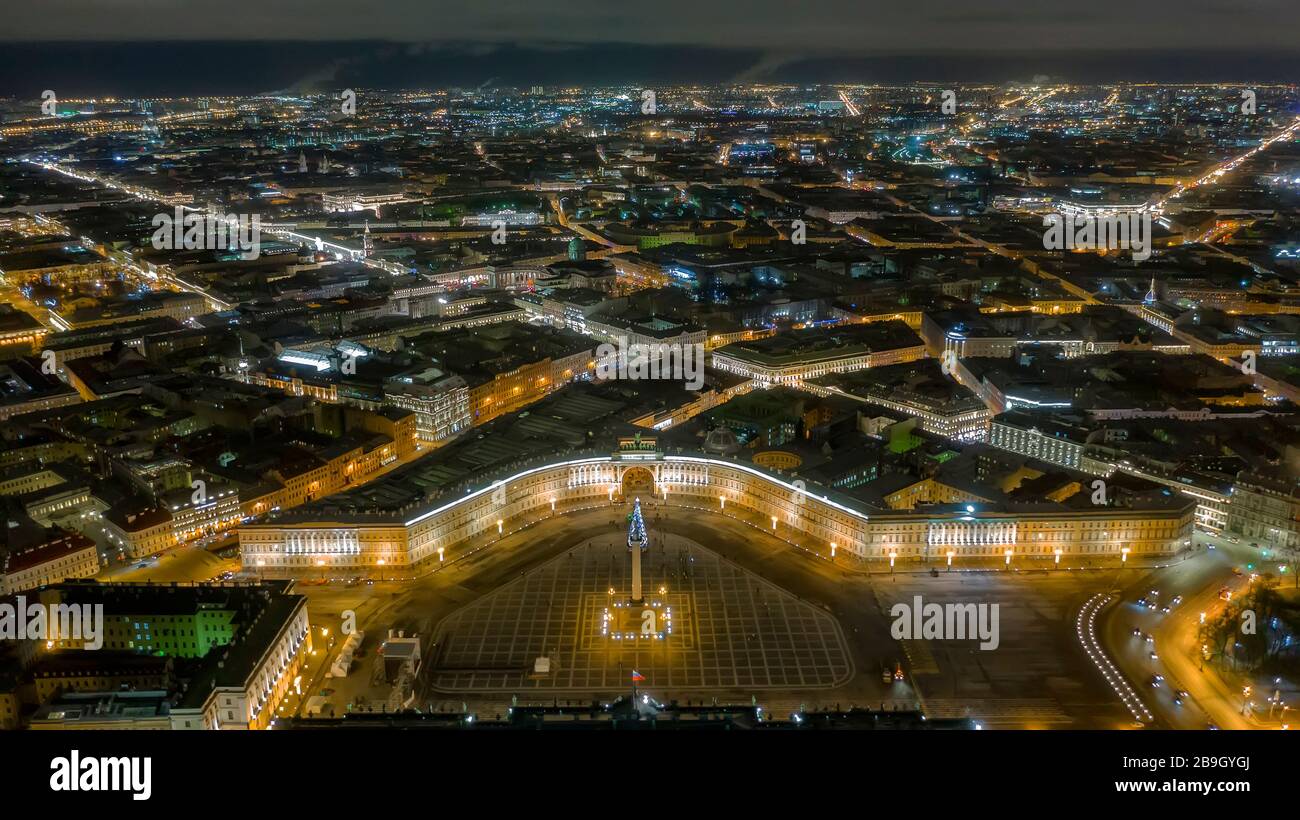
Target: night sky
{"x":247,"y":46}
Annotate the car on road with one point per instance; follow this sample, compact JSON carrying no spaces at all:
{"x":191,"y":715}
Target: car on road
{"x":1178,"y":699}
{"x":1137,"y":633}
{"x":1153,"y":656}
{"x":1178,"y":599}
{"x":1166,"y":609}
{"x":1150,"y":638}
{"x":1156,"y":681}
{"x":1143,"y":602}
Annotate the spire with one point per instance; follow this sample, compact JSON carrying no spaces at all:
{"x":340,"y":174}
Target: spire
{"x":302,"y":162}
{"x":367,"y":244}
{"x":1150,"y":298}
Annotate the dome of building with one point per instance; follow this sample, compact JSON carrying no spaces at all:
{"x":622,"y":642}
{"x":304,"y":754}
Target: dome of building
{"x":721,"y":440}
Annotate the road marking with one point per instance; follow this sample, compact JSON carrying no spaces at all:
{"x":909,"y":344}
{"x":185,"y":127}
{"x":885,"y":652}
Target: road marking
{"x":1086,"y":628}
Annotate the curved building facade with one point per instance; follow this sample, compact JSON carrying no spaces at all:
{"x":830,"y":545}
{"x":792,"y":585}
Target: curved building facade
{"x":390,"y":545}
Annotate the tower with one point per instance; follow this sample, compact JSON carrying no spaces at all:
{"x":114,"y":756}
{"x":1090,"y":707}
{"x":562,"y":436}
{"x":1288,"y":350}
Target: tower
{"x":1150,"y":298}
{"x":302,"y":162}
{"x":367,"y":244}
{"x":324,"y":167}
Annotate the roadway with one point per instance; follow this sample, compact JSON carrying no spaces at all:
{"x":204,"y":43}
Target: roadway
{"x":10,"y":294}
{"x":186,"y":564}
{"x":1228,"y":165}
{"x":1197,"y":580}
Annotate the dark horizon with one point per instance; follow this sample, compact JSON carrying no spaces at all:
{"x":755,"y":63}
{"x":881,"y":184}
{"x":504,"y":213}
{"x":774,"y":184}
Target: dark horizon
{"x":180,"y":68}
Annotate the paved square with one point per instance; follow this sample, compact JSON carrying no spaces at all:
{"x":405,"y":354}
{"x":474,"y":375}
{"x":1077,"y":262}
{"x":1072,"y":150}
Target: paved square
{"x":712,"y":626}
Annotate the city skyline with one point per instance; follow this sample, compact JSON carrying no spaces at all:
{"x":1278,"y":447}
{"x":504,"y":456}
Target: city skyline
{"x":598,"y":369}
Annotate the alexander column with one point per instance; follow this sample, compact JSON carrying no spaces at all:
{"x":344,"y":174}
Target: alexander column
{"x":637,"y":542}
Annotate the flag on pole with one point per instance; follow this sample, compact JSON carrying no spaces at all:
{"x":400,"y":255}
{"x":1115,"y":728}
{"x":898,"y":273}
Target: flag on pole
{"x":637,"y":677}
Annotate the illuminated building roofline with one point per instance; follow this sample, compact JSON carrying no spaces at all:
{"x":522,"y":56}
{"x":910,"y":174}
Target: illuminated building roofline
{"x":615,"y":460}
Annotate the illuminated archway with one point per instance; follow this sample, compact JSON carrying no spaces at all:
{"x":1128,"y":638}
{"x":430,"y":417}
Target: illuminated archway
{"x":637,"y":482}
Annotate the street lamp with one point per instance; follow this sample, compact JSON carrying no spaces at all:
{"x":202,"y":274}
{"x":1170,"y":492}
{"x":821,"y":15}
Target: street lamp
{"x":722,"y":501}
{"x":774,"y":523}
{"x":500,"y":524}
{"x":440,"y":549}
{"x":1008,"y":555}
{"x":950,"y":555}
{"x":833,"y":549}
{"x":892,"y":556}
{"x":1058,"y":557}
{"x":552,"y":503}
{"x":1123,"y":555}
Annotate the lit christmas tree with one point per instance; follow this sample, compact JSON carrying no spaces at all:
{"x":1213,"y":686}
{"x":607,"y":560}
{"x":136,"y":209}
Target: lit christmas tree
{"x":636,"y":534}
